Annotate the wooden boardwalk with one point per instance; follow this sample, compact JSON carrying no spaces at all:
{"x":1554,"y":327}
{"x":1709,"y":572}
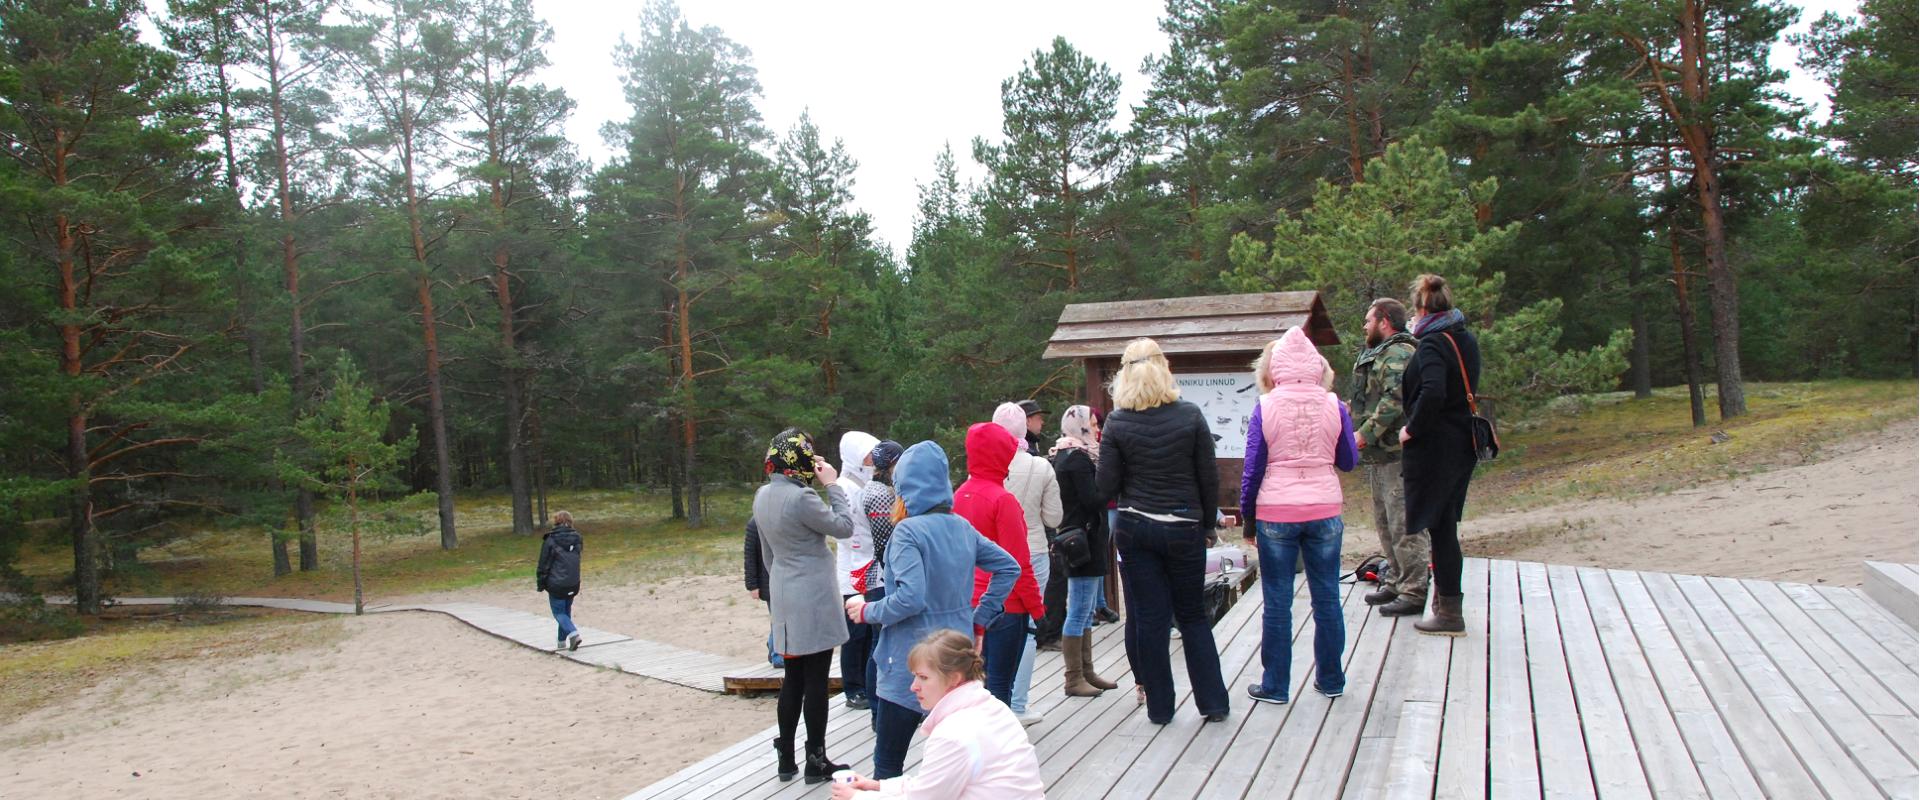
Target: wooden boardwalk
{"x":1571,"y":682}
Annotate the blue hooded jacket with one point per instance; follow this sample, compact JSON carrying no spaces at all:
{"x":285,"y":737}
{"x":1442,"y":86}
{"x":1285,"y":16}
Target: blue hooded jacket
{"x":929,"y":565}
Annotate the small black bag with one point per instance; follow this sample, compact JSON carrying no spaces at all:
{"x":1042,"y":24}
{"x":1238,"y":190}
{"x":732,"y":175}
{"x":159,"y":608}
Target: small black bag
{"x":1486,"y":440}
{"x":1071,"y":545}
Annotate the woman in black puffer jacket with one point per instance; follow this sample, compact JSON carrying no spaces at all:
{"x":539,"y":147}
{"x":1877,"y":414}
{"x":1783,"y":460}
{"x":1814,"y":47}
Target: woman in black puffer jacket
{"x":1156,"y":460}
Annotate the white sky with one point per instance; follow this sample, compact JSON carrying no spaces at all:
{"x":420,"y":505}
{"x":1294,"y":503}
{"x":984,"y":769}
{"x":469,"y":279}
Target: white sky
{"x":897,"y":80}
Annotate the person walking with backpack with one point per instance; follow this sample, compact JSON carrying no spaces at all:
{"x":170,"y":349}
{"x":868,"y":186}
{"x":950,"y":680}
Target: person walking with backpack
{"x":1377,"y":415}
{"x":559,"y":576}
{"x":1438,"y":451}
{"x":1290,"y":500}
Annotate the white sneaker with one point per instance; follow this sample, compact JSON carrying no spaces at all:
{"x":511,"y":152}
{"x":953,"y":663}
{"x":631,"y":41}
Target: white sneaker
{"x":573,"y":641}
{"x":559,"y":645}
{"x":1031,"y":719}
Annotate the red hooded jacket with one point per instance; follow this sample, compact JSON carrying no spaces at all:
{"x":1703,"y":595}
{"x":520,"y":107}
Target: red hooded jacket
{"x":985,"y":502}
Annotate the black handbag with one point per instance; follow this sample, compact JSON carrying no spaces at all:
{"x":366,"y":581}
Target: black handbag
{"x":1486,"y":440}
{"x":1071,"y":545}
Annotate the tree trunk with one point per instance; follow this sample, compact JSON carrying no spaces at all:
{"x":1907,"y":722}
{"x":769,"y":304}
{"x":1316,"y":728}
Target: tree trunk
{"x":511,"y":376}
{"x":1688,"y":350}
{"x":290,"y":274}
{"x":1639,"y":359}
{"x":674,"y":484}
{"x":86,"y":573}
{"x":353,"y":525}
{"x":429,"y":332}
{"x":1722,"y":292}
{"x":539,"y":461}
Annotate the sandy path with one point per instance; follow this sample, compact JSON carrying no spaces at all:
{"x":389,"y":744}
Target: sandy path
{"x":1810,"y":524}
{"x":403,"y":705}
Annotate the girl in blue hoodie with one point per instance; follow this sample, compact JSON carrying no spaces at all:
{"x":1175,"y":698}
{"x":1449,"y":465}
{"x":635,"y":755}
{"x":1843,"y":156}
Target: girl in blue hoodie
{"x":929,"y":568}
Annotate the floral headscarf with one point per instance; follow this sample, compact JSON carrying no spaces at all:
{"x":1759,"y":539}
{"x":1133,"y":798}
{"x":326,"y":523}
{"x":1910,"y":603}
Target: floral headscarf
{"x":791,"y":454}
{"x":1076,"y":433}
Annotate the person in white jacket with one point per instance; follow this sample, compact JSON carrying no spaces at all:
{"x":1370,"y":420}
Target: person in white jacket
{"x":975,"y":748}
{"x":852,"y":555}
{"x":1030,"y":480}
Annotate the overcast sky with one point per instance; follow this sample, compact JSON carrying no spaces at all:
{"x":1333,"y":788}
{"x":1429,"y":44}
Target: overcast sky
{"x":898,"y":80}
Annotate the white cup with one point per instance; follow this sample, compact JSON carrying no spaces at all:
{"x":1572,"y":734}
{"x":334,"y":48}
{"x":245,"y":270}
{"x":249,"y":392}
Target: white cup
{"x":845,"y":776}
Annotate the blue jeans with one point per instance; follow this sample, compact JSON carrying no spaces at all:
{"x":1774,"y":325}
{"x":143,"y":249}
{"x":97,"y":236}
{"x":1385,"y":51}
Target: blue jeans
{"x":893,"y":727}
{"x":1165,"y":566}
{"x":1001,"y":649}
{"x":1317,"y":544}
{"x":873,"y":664}
{"x":1023,"y":675}
{"x":1082,"y":594}
{"x":563,"y":614}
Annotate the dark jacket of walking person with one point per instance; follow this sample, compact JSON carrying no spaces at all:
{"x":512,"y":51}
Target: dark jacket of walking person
{"x":558,"y":574}
{"x":1156,"y":458}
{"x":1378,"y":414}
{"x":808,"y":624}
{"x":1299,"y":438}
{"x":1437,"y":458}
{"x":984,"y":501}
{"x":931,"y":557}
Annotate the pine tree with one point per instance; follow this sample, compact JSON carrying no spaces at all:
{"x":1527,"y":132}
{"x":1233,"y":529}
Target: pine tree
{"x":96,"y":192}
{"x":515,"y":150}
{"x":403,"y":58}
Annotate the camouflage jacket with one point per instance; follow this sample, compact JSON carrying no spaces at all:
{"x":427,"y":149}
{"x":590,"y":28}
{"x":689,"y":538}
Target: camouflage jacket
{"x":1376,"y":403}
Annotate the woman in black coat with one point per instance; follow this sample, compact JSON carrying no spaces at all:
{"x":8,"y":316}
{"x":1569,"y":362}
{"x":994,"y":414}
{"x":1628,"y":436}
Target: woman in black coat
{"x":1084,"y":508}
{"x":1438,"y":457}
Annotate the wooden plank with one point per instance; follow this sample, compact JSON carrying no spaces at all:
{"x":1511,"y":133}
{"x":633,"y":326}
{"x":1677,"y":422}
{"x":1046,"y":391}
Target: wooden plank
{"x":1411,"y":766}
{"x":1231,"y":343}
{"x":1871,"y":674}
{"x":1727,"y":656}
{"x":1259,"y":731}
{"x":1267,"y":324}
{"x":1513,"y":764}
{"x":1564,"y":771}
{"x":1669,"y":765}
{"x":1611,"y":754}
{"x":1332,"y":758}
{"x":1872,"y":620}
{"x":1462,"y":769}
{"x":1868,"y":738}
{"x":1895,"y":587}
{"x":1176,"y":307}
{"x":1410,"y":696}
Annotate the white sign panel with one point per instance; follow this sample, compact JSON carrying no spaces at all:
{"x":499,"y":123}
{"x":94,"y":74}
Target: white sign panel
{"x":1227,"y":400}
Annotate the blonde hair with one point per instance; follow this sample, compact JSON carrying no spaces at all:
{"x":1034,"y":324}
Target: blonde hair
{"x":1326,"y":377}
{"x":563,"y":518}
{"x":948,"y":652}
{"x":1144,"y":380}
{"x":1260,"y":365}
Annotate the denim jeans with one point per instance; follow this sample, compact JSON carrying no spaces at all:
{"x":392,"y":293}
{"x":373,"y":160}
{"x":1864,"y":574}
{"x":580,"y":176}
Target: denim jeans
{"x":1081,"y":598}
{"x":563,"y":614}
{"x":893,"y":727}
{"x":1005,"y":638}
{"x":1023,"y":675}
{"x":1317,"y":543}
{"x":1165,"y":566}
{"x":873,"y":640}
{"x":854,"y":656}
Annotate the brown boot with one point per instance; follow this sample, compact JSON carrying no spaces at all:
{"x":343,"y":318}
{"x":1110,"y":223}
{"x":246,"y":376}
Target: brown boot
{"x":1071,"y":650}
{"x":1086,"y":667}
{"x":1445,"y":619}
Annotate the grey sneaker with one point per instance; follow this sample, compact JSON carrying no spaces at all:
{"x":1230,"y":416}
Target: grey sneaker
{"x":573,"y":641}
{"x":1031,"y":719}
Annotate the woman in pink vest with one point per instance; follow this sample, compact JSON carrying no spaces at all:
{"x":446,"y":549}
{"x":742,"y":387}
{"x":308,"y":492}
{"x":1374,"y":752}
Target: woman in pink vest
{"x":1290,"y":503}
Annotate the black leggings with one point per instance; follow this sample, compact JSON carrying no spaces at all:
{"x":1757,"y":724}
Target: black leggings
{"x":806,"y":686}
{"x":1446,"y":555}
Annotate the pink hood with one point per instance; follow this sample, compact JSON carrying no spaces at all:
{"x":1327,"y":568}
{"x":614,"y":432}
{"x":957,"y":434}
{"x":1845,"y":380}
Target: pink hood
{"x":1295,"y":360}
{"x":1011,"y":417}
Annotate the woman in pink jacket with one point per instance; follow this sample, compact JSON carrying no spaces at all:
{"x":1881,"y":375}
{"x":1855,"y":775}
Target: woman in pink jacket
{"x":975,"y":749}
{"x":1290,"y":500}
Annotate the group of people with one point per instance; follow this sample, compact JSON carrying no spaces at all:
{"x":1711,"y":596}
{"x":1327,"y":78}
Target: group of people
{"x":934,"y":594}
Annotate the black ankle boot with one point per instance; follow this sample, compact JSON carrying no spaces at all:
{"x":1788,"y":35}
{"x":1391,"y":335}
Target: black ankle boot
{"x":784,"y":749}
{"x":819,"y":769}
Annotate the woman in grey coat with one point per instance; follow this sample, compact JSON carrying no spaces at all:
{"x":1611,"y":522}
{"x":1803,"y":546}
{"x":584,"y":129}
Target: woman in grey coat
{"x":807,"y":618}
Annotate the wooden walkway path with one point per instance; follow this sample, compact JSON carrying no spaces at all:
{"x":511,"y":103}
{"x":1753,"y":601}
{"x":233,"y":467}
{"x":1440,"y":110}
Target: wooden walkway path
{"x":1571,"y":682}
{"x":656,"y":660}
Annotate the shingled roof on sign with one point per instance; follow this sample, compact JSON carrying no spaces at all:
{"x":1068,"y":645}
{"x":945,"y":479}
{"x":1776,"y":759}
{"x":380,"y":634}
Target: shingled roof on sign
{"x":1227,"y":323}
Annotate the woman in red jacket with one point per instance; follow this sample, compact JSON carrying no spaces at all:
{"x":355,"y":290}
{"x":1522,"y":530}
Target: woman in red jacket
{"x":985,"y":502}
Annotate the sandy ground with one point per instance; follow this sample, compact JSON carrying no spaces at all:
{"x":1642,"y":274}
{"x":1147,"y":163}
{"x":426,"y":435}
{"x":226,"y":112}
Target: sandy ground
{"x":405,"y":705}
{"x":419,"y":705}
{"x":1806,"y":524}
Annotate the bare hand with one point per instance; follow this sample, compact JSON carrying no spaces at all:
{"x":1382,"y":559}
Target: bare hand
{"x":755,"y":593}
{"x":824,"y":472}
{"x":1405,"y":435}
{"x":1359,"y":442}
{"x":856,"y":609}
{"x":844,"y":791}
